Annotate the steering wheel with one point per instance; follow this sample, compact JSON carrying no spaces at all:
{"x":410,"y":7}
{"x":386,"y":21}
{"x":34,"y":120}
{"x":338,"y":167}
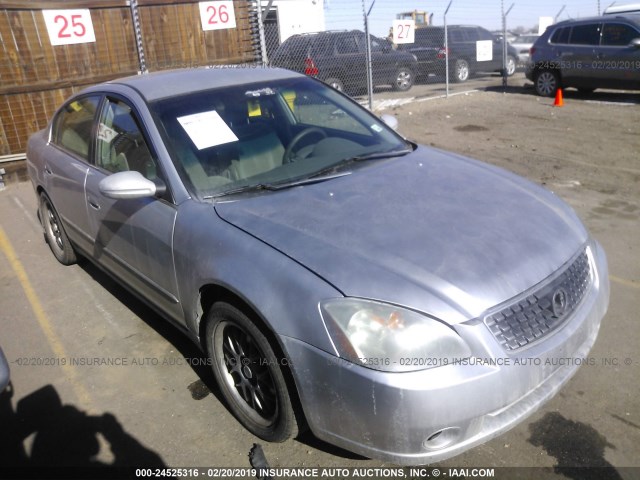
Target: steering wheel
{"x":289,"y":156}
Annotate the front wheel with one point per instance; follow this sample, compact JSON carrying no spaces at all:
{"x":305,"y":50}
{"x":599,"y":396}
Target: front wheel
{"x":403,"y":79}
{"x":461,"y":71}
{"x":54,"y":232}
{"x":249,"y":375}
{"x":546,"y":83}
{"x":335,"y":83}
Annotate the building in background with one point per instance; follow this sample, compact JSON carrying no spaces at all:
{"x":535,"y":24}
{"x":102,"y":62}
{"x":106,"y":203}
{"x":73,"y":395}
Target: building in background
{"x":290,"y":17}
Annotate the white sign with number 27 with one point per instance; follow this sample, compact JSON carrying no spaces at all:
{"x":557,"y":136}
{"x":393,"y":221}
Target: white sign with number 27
{"x":217,"y":15}
{"x":404,"y":31}
{"x":67,"y":27}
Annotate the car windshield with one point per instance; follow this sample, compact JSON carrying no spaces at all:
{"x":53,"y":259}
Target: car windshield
{"x":268,"y":135}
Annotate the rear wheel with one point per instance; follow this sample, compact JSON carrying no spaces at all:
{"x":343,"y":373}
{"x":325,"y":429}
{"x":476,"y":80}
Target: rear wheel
{"x":54,"y":232}
{"x":546,"y":83}
{"x":461,"y":71}
{"x":249,"y":375}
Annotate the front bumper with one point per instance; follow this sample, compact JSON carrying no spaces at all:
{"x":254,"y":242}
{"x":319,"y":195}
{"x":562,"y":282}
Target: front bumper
{"x":430,"y":415}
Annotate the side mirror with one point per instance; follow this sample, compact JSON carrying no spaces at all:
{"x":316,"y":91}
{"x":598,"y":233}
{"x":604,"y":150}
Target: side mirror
{"x":390,"y":120}
{"x":635,"y":43}
{"x":129,"y":185}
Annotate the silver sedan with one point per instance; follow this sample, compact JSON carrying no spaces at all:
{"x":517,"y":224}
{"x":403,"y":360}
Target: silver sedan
{"x":400,"y":301}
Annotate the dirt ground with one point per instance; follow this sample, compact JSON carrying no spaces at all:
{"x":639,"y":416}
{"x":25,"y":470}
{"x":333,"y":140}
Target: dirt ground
{"x":588,"y":152}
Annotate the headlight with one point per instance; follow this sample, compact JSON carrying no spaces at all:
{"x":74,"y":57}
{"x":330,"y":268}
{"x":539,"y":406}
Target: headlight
{"x":389,"y":338}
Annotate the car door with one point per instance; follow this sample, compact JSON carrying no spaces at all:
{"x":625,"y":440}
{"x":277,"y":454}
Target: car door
{"x":132,"y":238}
{"x":67,"y":163}
{"x":577,"y":59}
{"x":617,"y":62}
{"x":350,"y":58}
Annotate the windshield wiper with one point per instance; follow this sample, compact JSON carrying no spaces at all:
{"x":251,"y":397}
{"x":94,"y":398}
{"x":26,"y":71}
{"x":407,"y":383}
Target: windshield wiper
{"x":378,"y":155}
{"x":279,"y":186}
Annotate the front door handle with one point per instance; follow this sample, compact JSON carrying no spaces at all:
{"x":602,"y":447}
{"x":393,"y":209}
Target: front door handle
{"x":95,"y":205}
{"x":47,"y":170}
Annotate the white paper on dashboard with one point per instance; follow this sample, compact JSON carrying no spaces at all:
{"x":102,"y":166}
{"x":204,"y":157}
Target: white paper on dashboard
{"x":207,"y":129}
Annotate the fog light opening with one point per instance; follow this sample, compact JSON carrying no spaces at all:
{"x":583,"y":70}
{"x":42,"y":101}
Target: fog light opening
{"x":442,"y":438}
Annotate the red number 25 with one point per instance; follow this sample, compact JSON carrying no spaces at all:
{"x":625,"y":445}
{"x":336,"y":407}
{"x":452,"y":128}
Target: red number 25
{"x":78,"y":27}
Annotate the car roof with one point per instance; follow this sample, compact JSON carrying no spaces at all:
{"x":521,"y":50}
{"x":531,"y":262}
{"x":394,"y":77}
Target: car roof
{"x":630,"y":17}
{"x":173,"y":83}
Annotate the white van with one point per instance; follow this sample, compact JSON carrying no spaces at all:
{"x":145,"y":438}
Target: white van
{"x":616,"y":9}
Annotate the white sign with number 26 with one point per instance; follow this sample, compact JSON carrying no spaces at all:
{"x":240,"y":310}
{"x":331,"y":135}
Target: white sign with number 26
{"x":67,"y":27}
{"x":217,"y":15}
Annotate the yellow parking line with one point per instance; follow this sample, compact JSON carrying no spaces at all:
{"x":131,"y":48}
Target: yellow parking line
{"x":625,"y":282}
{"x":52,"y":338}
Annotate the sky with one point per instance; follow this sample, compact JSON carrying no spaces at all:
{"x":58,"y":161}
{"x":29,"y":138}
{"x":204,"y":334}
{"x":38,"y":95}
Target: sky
{"x":347,"y":14}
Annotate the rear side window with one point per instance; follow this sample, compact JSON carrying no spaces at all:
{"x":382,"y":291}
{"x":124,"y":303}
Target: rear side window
{"x":430,"y":37}
{"x":561,"y":36}
{"x":471,"y":35}
{"x":455,"y":36}
{"x":618,"y":34}
{"x":586,"y":34}
{"x":346,"y":45}
{"x":484,"y":34}
{"x":72,"y":126}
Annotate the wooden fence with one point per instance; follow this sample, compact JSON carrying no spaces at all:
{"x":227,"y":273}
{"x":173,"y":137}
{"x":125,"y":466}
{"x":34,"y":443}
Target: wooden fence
{"x":36,"y":77}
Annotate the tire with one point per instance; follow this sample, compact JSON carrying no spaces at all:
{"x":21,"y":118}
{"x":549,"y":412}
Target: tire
{"x":54,"y":232}
{"x":249,"y":375}
{"x":546,"y":83}
{"x":403,"y":81}
{"x":335,"y":83}
{"x":461,"y":71}
{"x":512,"y":65}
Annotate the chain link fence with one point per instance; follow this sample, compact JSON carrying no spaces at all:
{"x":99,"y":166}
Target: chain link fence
{"x":456,"y":46}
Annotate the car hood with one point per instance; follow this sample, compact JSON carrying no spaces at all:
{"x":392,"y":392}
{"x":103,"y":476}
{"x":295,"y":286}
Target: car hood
{"x":440,"y":233}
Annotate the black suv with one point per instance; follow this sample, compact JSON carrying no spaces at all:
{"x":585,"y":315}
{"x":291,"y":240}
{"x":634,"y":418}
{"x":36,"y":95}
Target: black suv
{"x":429,"y":48}
{"x":339,"y":59}
{"x":599,"y":52}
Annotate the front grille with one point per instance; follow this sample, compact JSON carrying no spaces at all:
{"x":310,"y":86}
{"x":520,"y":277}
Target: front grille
{"x":530,"y":319}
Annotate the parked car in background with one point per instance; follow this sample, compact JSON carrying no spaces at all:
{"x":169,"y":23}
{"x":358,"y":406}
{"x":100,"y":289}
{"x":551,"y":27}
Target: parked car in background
{"x":338,"y":58}
{"x":337,"y":275}
{"x":523,"y":44}
{"x":590,"y":53}
{"x":429,"y":49}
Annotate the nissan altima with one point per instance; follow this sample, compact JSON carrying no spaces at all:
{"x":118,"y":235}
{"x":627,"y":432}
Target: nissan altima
{"x":401,"y":302}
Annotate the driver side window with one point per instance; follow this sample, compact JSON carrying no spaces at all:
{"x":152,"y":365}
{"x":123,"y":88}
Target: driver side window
{"x":120,"y":144}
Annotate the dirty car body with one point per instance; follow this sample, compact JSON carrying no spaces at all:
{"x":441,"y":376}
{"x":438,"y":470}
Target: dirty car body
{"x":385,"y":294}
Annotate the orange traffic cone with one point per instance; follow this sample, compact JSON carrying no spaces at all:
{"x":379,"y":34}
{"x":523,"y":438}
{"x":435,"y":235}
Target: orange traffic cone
{"x":559,"y":102}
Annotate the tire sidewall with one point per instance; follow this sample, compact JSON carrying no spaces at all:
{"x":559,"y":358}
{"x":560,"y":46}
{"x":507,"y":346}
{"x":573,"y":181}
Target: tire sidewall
{"x":397,"y":85}
{"x":65,"y":255}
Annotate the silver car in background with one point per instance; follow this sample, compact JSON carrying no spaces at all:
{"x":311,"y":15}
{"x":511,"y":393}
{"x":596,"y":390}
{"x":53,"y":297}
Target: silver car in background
{"x":403,"y":302}
{"x":522,"y":44}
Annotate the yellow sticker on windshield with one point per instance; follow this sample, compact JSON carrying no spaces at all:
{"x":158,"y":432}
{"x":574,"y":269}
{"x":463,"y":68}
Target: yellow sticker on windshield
{"x":254,"y":108}
{"x":290,"y":98}
{"x":75,"y":106}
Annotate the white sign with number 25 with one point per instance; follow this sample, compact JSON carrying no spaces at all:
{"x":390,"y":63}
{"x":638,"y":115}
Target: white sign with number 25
{"x":217,"y":15}
{"x":67,"y":27}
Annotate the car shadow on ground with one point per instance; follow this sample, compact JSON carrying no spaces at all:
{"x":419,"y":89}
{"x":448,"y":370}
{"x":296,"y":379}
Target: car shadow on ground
{"x":606,"y":96}
{"x":43,"y":433}
{"x":206,"y":383}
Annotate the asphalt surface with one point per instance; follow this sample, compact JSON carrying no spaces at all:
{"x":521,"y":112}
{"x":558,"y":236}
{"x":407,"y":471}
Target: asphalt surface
{"x":99,"y":379}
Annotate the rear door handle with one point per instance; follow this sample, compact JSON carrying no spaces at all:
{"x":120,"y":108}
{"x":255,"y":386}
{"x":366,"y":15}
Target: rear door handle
{"x":47,"y":170}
